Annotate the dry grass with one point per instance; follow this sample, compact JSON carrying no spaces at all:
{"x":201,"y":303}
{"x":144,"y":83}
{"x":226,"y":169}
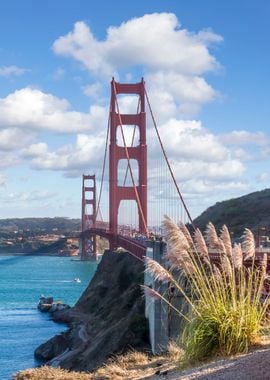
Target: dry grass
{"x":49,"y":373}
{"x":175,"y":353}
{"x":131,"y":366}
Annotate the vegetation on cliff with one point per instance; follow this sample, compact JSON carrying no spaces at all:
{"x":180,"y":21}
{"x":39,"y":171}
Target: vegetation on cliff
{"x":132,"y":365}
{"x":249,"y":211}
{"x":228,"y":308}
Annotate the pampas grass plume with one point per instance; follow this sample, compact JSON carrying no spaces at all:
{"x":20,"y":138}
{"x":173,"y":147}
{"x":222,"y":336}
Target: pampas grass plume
{"x":248,"y":244}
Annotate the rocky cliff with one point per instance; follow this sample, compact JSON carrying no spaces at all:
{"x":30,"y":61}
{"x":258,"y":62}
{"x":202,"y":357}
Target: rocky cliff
{"x":107,"y":319}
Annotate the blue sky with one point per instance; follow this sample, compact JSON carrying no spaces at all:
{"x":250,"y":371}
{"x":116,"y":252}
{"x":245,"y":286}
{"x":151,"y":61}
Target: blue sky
{"x":206,"y":66}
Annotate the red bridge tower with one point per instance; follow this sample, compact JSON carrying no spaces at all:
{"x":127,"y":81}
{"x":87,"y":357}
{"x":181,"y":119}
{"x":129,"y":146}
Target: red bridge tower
{"x":88,"y":240}
{"x":116,"y":153}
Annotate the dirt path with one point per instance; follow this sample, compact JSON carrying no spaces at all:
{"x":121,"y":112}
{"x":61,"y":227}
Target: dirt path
{"x":253,"y":366}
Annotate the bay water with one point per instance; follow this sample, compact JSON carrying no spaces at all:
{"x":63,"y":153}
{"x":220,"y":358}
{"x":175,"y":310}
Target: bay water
{"x":23,"y":279}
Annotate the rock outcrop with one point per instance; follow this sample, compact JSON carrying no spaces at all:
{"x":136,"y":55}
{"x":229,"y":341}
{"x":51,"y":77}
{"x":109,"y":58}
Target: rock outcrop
{"x":107,"y":319}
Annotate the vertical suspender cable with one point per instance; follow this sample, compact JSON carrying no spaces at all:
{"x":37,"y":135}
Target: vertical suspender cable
{"x":167,"y":161}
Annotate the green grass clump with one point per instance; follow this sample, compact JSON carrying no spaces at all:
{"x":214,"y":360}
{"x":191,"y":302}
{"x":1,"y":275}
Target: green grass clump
{"x":228,"y":305}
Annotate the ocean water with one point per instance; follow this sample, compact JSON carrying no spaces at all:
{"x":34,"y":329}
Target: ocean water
{"x":23,"y":279}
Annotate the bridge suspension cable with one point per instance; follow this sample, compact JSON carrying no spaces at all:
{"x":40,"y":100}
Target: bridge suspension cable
{"x":98,"y":210}
{"x":167,"y":160}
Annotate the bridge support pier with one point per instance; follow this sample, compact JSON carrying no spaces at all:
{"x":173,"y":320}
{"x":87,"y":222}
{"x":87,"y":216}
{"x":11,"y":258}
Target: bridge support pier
{"x":164,"y":324}
{"x":155,"y":311}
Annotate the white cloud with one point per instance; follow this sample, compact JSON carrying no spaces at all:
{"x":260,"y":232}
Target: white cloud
{"x":243,"y":137}
{"x":86,"y":153}
{"x":7,"y":71}
{"x":14,"y":138}
{"x":228,"y":170}
{"x":33,"y":109}
{"x":197,"y":157}
{"x":201,"y":186}
{"x":9,"y":159}
{"x":27,"y":197}
{"x":92,"y":90}
{"x":188,"y":92}
{"x":187,"y":139}
{"x":148,"y":40}
{"x":173,"y":59}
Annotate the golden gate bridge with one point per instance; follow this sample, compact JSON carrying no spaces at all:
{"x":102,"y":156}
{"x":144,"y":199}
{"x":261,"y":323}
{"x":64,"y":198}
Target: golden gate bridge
{"x":129,"y":182}
{"x":134,"y":187}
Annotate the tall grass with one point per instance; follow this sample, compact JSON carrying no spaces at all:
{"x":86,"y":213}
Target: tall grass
{"x":227,"y":310}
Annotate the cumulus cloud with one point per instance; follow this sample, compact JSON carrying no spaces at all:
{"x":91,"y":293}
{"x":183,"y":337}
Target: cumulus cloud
{"x":187,"y":139}
{"x":33,"y":109}
{"x":136,"y":42}
{"x":14,"y":138}
{"x":200,"y":162}
{"x":173,"y":61}
{"x":86,"y":152}
{"x":187,"y":93}
{"x":7,"y":71}
{"x":148,"y":42}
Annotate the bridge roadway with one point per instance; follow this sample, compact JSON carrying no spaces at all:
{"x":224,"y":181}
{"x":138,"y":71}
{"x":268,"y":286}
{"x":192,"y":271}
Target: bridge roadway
{"x":136,"y":244}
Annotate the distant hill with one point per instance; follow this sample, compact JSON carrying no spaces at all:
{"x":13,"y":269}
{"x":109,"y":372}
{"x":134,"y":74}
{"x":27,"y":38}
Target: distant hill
{"x":33,"y":226}
{"x":249,"y":211}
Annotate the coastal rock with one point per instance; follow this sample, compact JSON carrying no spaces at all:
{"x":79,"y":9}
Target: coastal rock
{"x":107,"y":319}
{"x":52,"y":347}
{"x":46,"y":304}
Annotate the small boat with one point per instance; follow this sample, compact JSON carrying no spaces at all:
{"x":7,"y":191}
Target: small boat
{"x":76,"y":280}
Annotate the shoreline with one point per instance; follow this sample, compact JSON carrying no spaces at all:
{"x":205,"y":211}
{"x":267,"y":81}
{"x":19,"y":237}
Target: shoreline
{"x":33,"y":254}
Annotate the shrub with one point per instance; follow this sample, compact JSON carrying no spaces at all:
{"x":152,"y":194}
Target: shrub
{"x":228,"y":311}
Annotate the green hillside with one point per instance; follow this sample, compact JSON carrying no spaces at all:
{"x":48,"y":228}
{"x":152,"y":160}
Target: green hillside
{"x":251,"y":211}
{"x":37,"y":226}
